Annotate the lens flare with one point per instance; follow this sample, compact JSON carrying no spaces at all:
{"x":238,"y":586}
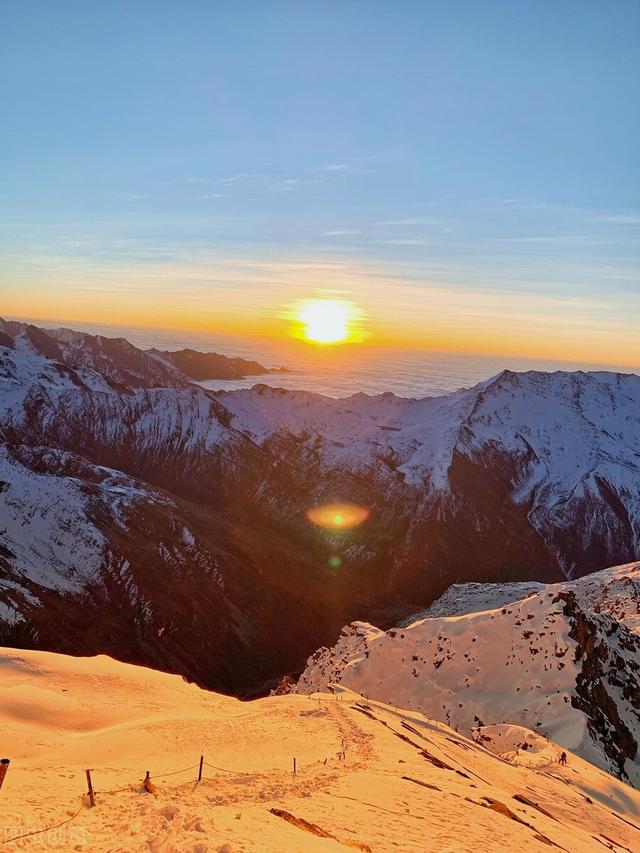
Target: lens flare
{"x":338,"y":516}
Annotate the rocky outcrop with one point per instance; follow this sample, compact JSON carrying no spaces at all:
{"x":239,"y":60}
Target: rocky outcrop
{"x":608,"y":657}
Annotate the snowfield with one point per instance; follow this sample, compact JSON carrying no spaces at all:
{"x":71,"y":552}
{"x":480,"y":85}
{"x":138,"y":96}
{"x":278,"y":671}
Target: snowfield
{"x":369,"y":777}
{"x":463,"y":598}
{"x":562,"y":660}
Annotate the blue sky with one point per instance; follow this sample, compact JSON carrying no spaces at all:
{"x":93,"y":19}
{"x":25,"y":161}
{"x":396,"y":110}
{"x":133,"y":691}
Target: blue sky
{"x":469,"y":147}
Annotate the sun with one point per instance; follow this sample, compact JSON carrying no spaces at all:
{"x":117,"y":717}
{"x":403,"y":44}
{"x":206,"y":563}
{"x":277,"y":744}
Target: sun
{"x":326,"y":321}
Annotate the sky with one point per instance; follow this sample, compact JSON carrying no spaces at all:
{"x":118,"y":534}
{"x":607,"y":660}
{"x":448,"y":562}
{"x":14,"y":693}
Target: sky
{"x":467,"y":173}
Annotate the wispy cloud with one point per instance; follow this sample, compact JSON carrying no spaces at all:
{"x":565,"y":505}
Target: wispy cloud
{"x":225,"y":179}
{"x":415,"y":241}
{"x":411,"y":220}
{"x":619,"y":219}
{"x":342,"y":232}
{"x":126,"y":195}
{"x":404,"y":302}
{"x":270,"y":181}
{"x":234,"y":179}
{"x":560,"y":240}
{"x":292,"y":183}
{"x":335,"y":167}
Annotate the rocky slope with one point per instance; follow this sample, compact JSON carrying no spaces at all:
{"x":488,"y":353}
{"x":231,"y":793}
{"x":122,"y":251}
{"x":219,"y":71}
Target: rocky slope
{"x":166,"y":524}
{"x":562,"y":659}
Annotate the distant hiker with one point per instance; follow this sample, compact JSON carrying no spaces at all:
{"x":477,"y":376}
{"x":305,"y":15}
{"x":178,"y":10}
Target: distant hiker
{"x":563,"y":758}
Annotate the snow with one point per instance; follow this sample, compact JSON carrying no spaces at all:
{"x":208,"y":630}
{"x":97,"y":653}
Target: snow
{"x":47,"y":520}
{"x":182,"y":419}
{"x":514,"y":664}
{"x":461,"y":598}
{"x":497,"y":655}
{"x":571,"y":439}
{"x":43,"y":522}
{"x":615,"y":591}
{"x":355,"y":429}
{"x":575,"y":429}
{"x":596,"y":415}
{"x":369,"y":777}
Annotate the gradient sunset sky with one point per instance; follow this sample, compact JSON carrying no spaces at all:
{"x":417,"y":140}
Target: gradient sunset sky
{"x":466,"y":172}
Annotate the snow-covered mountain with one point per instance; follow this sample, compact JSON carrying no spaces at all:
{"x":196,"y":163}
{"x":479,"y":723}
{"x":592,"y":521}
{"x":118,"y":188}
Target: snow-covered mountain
{"x":120,"y":361}
{"x":557,"y":454}
{"x":179,"y":515}
{"x":561,"y":659}
{"x":368,"y":777}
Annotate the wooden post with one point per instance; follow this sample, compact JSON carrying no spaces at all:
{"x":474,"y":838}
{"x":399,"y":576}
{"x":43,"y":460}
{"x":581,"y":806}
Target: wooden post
{"x":90,"y":793}
{"x":294,"y":765}
{"x":147,"y":782}
{"x":200,"y":768}
{"x":4,"y":766}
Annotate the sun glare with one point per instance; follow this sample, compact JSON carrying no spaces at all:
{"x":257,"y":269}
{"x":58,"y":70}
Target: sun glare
{"x":327,"y":321}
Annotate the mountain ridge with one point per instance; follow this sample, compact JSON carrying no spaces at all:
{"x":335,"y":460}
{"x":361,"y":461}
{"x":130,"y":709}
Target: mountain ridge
{"x":535,"y":475}
{"x":123,"y":362}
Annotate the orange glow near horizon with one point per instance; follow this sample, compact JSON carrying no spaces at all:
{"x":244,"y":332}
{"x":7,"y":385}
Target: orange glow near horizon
{"x":305,"y":308}
{"x":505,"y":339}
{"x":338,"y":516}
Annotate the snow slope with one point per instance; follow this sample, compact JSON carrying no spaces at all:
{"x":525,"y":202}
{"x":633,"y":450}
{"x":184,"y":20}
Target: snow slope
{"x":463,"y":598}
{"x":368,"y":777}
{"x":615,"y":591}
{"x":43,"y":524}
{"x":564,"y":661}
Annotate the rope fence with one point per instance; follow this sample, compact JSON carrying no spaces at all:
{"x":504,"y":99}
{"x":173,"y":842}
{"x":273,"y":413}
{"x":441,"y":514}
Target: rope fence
{"x":89,"y":798}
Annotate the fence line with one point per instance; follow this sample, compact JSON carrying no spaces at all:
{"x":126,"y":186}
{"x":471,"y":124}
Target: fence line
{"x":133,"y":785}
{"x":96,"y":791}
